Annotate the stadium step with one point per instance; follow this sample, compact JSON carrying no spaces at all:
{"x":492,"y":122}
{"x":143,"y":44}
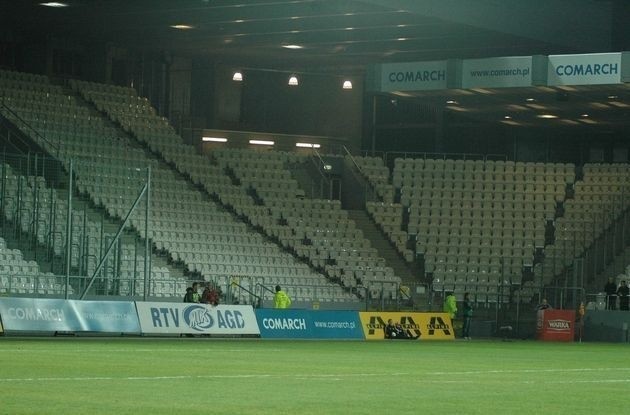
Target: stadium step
{"x":383,"y":246}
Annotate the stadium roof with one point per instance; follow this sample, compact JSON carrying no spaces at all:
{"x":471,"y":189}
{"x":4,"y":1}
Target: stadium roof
{"x":346,"y":35}
{"x":330,"y":32}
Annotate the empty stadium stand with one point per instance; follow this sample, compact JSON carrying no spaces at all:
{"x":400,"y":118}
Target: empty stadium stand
{"x":477,"y":222}
{"x":258,"y":186}
{"x":495,"y":228}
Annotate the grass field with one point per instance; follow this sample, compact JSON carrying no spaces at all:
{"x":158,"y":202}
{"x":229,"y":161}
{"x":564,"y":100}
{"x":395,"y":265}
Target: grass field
{"x":194,"y":376}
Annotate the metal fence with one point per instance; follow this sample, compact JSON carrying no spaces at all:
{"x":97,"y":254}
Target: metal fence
{"x":59,"y":233}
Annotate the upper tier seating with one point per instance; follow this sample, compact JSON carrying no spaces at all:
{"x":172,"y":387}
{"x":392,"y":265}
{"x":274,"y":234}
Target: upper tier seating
{"x":68,"y":129}
{"x":377,"y":174}
{"x":318,"y":230}
{"x":231,"y":248}
{"x":599,"y":199}
{"x":110,"y":169}
{"x":477,"y":222}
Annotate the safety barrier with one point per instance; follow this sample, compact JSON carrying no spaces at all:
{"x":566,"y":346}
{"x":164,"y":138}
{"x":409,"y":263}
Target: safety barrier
{"x":19,"y":315}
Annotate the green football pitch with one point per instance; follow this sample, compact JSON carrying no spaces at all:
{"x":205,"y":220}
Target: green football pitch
{"x":210,"y":376}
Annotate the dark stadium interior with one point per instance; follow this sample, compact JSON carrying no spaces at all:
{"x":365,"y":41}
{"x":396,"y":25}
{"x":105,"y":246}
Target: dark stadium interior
{"x":146,"y":81}
{"x":338,"y":39}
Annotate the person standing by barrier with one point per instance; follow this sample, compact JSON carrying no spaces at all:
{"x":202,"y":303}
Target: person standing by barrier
{"x":192,"y":296}
{"x":196,"y":298}
{"x":579,"y":321}
{"x":281,"y":299}
{"x":623,"y":292}
{"x":611,"y":294}
{"x":211,"y":295}
{"x":544,"y":305}
{"x":450,"y":305}
{"x":467,"y":312}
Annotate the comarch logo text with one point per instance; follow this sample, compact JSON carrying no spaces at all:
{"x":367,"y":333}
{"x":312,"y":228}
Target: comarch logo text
{"x":198,"y":318}
{"x":587,"y":69}
{"x":36,"y":314}
{"x":284,"y":323}
{"x":417,"y":76}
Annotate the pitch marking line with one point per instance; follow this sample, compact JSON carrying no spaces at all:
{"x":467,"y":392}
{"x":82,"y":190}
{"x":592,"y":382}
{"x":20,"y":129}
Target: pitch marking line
{"x":337,"y":376}
{"x":157,"y":350}
{"x":187,"y":377}
{"x":535,"y":371}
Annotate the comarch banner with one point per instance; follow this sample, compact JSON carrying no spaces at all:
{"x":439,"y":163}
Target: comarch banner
{"x":511,"y":71}
{"x":177,"y":318}
{"x":51,"y":315}
{"x":308,"y":324}
{"x":587,"y":69}
{"x":430,"y":326}
{"x":412,"y":76}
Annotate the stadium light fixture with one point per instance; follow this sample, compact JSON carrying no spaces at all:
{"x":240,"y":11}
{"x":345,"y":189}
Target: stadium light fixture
{"x":308,"y":145}
{"x":214,"y":139}
{"x":262,"y":142}
{"x":507,"y":117}
{"x":347,"y":84}
{"x":238,"y":77}
{"x":293,"y":47}
{"x":548,"y":116}
{"x":54,"y":4}
{"x":293,"y":81}
{"x":182,"y":26}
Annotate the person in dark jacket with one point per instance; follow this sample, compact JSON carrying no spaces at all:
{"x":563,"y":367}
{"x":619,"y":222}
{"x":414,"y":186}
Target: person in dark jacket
{"x":611,"y":294}
{"x":623,"y":292}
{"x":468,"y":312}
{"x":188,"y":297}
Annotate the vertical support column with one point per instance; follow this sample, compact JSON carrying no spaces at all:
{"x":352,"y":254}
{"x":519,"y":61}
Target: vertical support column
{"x":373,"y":125}
{"x":147,"y":245}
{"x":69,"y":230}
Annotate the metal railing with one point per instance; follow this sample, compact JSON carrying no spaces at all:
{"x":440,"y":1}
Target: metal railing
{"x":21,"y":124}
{"x":66,"y":233}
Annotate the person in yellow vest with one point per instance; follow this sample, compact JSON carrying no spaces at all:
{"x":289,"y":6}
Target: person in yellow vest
{"x":281,"y":299}
{"x":450,"y":305}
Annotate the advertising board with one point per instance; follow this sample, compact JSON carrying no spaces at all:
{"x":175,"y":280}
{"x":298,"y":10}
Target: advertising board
{"x":52,"y":315}
{"x":309,"y":324}
{"x":183,"y":318}
{"x":430,"y":326}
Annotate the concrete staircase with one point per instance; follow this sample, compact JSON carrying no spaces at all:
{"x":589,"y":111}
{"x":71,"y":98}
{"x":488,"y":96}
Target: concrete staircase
{"x":383,"y":246}
{"x":409,"y":278}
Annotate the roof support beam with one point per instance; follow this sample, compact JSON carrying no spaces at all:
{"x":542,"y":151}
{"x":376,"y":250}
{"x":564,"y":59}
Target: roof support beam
{"x":577,"y":25}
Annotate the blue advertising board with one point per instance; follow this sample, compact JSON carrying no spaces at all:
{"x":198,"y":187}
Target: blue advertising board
{"x":50,"y":315}
{"x":308,"y":324}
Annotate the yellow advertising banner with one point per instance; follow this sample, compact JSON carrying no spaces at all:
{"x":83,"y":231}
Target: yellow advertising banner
{"x":430,"y":326}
